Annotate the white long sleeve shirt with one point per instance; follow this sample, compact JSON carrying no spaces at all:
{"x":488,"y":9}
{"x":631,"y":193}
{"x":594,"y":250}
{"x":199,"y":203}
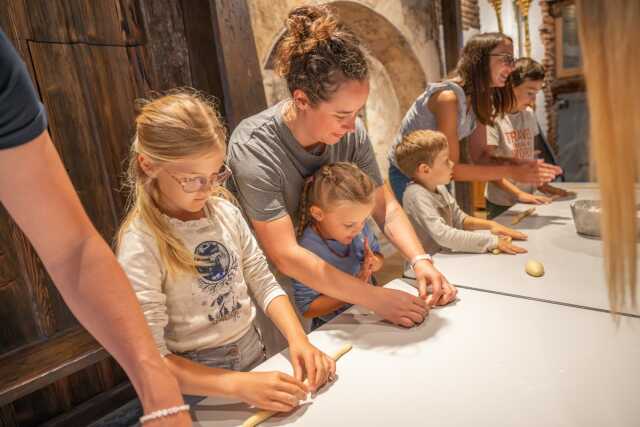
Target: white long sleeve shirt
{"x":439,"y":222}
{"x":191,"y":312}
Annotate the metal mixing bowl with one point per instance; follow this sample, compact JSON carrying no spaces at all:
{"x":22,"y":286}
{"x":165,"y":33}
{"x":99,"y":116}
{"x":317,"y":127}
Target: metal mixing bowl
{"x":586,"y":217}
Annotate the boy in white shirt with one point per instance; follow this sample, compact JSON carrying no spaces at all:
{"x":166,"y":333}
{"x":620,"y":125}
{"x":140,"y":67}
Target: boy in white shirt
{"x":438,"y":220}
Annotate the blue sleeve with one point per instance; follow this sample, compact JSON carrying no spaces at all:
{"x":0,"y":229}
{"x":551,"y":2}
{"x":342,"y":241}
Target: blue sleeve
{"x":303,"y":296}
{"x":22,"y":115}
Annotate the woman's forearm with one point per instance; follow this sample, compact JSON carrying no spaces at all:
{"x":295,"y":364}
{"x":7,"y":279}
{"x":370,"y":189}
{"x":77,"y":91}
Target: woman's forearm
{"x":323,"y":305}
{"x":281,"y":312}
{"x":395,"y":224}
{"x":468,"y":172}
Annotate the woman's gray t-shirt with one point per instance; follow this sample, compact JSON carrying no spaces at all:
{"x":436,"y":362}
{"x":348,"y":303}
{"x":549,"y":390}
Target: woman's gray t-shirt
{"x":269,"y":165}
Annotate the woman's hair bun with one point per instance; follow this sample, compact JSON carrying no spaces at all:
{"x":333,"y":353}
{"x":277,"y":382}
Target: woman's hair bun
{"x":316,"y":54}
{"x":307,"y":26}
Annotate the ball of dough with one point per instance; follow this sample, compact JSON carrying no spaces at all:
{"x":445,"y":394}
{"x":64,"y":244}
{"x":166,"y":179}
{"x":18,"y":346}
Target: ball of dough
{"x":496,"y":251}
{"x":534,"y":268}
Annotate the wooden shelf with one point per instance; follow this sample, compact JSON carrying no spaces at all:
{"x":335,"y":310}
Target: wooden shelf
{"x":33,"y":367}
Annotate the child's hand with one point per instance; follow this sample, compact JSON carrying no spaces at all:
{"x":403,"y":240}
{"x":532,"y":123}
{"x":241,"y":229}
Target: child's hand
{"x":371,"y":260}
{"x":365,"y":271}
{"x":532,"y":199}
{"x":505,"y":245}
{"x":535,"y":172}
{"x":501,"y":230}
{"x":273,"y":391}
{"x":366,"y":267}
{"x":308,"y":361}
{"x":378,"y":262}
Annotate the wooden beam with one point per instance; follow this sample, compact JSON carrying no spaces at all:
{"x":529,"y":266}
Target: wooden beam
{"x":201,"y":45}
{"x":166,"y":44}
{"x":238,"y":60}
{"x":452,"y":29}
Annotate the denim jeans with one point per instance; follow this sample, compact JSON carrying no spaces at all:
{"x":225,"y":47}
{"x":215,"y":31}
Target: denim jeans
{"x":241,"y":355}
{"x":398,"y":182}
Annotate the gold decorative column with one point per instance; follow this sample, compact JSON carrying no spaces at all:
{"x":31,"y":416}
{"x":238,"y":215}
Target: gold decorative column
{"x":524,"y":5}
{"x":497,"y":6}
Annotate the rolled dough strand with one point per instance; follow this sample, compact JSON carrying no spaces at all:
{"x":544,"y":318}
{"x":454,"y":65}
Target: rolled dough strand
{"x":522,"y":215}
{"x":261,"y":416}
{"x":563,"y":195}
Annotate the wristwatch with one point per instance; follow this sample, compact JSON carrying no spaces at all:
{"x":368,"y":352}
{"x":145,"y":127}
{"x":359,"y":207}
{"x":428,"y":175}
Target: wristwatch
{"x":417,"y":258}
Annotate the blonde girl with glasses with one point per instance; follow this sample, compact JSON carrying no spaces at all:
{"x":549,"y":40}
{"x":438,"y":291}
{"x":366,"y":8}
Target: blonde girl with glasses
{"x":193,"y":261}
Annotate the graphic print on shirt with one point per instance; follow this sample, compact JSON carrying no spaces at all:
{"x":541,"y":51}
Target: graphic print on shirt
{"x":218,"y":267}
{"x":522,"y":142}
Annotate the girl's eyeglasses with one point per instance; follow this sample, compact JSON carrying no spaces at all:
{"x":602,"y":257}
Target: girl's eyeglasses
{"x":202,"y":183}
{"x":506,"y":58}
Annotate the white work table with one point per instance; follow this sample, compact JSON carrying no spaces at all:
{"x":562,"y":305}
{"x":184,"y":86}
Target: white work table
{"x":488,"y":360}
{"x":512,"y":351}
{"x":574,"y":265}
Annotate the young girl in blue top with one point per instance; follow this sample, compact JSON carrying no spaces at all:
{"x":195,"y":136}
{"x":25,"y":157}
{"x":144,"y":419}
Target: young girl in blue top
{"x":334,"y":207}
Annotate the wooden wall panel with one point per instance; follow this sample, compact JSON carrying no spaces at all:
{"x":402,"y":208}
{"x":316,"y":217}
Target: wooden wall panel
{"x":199,"y":33}
{"x":17,"y":325}
{"x":101,"y":22}
{"x":96,"y":94}
{"x":17,"y":321}
{"x":166,"y":44}
{"x":7,"y":417}
{"x":89,"y":61}
{"x":51,"y":314}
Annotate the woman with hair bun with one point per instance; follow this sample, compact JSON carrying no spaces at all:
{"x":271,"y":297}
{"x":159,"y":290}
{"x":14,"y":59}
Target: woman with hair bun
{"x":273,"y":152}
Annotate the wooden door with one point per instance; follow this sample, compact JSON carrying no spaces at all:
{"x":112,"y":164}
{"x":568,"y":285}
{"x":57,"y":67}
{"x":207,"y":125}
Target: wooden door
{"x":90,"y":60}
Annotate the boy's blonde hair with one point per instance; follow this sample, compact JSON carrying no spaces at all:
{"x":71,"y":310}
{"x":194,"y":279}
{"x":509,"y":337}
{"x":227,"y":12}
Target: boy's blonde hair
{"x":181,"y":124}
{"x":332,"y":184}
{"x":417,"y":147}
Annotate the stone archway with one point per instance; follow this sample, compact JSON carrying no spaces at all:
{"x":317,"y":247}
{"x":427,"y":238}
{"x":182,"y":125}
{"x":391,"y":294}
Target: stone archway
{"x":397,"y":76}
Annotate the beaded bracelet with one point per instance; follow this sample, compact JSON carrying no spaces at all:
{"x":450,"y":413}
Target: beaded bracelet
{"x":163,"y":413}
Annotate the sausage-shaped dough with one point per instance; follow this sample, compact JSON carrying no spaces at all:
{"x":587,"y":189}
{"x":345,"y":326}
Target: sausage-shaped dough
{"x":261,"y":416}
